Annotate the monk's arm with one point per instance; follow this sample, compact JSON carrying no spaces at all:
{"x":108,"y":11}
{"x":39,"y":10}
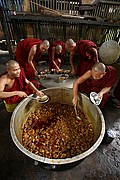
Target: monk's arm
{"x":96,"y":52}
{"x":80,"y":80}
{"x":31,"y":85}
{"x":30,"y":58}
{"x":3,"y":94}
{"x":71,"y":62}
{"x":103,"y":91}
{"x":53,"y":58}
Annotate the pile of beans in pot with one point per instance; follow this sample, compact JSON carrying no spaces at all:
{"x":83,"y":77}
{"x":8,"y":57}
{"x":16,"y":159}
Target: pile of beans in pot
{"x":53,"y":131}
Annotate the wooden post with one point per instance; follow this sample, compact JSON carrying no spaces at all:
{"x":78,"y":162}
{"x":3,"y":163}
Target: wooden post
{"x":26,"y":5}
{"x":29,"y":28}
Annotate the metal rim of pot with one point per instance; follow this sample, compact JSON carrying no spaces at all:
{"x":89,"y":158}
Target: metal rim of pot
{"x":56,"y":161}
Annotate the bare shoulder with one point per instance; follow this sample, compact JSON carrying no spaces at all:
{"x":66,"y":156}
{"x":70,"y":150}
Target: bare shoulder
{"x":3,"y":78}
{"x":34,"y":47}
{"x":33,"y":50}
{"x":84,"y":77}
{"x":87,"y":74}
{"x":3,"y":81}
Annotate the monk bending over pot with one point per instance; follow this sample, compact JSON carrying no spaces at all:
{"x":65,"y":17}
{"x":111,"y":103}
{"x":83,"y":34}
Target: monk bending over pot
{"x":28,"y":52}
{"x":99,"y":79}
{"x":14,"y":86}
{"x":56,"y":54}
{"x":87,"y":55}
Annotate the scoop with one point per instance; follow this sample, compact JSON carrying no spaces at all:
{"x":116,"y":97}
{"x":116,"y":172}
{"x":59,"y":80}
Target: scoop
{"x":76,"y":113}
{"x":39,"y":99}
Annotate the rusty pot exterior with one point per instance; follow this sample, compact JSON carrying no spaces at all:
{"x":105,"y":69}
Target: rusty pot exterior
{"x":58,"y":95}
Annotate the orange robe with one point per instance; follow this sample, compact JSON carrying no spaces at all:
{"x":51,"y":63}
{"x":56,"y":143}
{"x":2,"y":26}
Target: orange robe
{"x":19,"y":85}
{"x":92,"y":85}
{"x":56,"y":56}
{"x":86,"y":56}
{"x":22,"y":52}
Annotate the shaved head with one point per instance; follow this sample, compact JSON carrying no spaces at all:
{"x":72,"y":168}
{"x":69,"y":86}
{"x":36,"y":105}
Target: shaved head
{"x":46,"y":43}
{"x":99,"y":67}
{"x":13,"y":69}
{"x":11,"y":63}
{"x":70,"y":42}
{"x":58,"y":48}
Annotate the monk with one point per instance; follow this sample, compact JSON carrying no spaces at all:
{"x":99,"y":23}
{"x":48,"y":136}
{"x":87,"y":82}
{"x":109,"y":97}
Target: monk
{"x":87,"y":55}
{"x":28,"y":51}
{"x":56,"y":53}
{"x":99,"y":79}
{"x":14,"y":86}
{"x":116,"y":94}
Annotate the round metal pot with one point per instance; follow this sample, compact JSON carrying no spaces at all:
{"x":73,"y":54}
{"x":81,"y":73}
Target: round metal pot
{"x":61,"y":95}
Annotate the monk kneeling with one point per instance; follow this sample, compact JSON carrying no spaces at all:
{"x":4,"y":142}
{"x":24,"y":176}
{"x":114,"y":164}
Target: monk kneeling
{"x":99,"y":79}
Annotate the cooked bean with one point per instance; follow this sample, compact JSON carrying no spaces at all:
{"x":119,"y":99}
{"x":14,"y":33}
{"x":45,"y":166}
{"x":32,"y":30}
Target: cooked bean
{"x":53,"y":131}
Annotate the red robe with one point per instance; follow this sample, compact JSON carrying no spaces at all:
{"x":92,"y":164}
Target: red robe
{"x":117,"y":91}
{"x":56,"y":56}
{"x":86,"y":56}
{"x":91,"y":85}
{"x":19,"y":85}
{"x":22,"y":52}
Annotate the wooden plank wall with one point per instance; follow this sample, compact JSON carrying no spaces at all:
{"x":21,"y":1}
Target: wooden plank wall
{"x":44,"y":29}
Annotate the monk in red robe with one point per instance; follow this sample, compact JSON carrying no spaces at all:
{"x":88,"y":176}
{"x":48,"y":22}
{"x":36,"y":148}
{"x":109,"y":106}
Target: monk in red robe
{"x":99,"y":79}
{"x":56,"y":53}
{"x":14,"y":86}
{"x":87,"y":55}
{"x":116,"y":94}
{"x":28,"y":51}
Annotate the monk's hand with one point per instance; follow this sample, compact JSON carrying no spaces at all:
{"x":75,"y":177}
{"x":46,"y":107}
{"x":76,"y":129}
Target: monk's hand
{"x":75,"y":101}
{"x":36,"y":73}
{"x":73,"y":72}
{"x":40,"y":93}
{"x":22,"y":94}
{"x":59,"y":60}
{"x":57,"y":70}
{"x":100,"y":95}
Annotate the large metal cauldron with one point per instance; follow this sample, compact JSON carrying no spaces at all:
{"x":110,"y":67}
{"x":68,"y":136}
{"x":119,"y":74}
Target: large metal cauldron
{"x":61,"y":95}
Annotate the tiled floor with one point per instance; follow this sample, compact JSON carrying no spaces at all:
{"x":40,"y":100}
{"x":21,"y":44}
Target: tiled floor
{"x":102,"y":164}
